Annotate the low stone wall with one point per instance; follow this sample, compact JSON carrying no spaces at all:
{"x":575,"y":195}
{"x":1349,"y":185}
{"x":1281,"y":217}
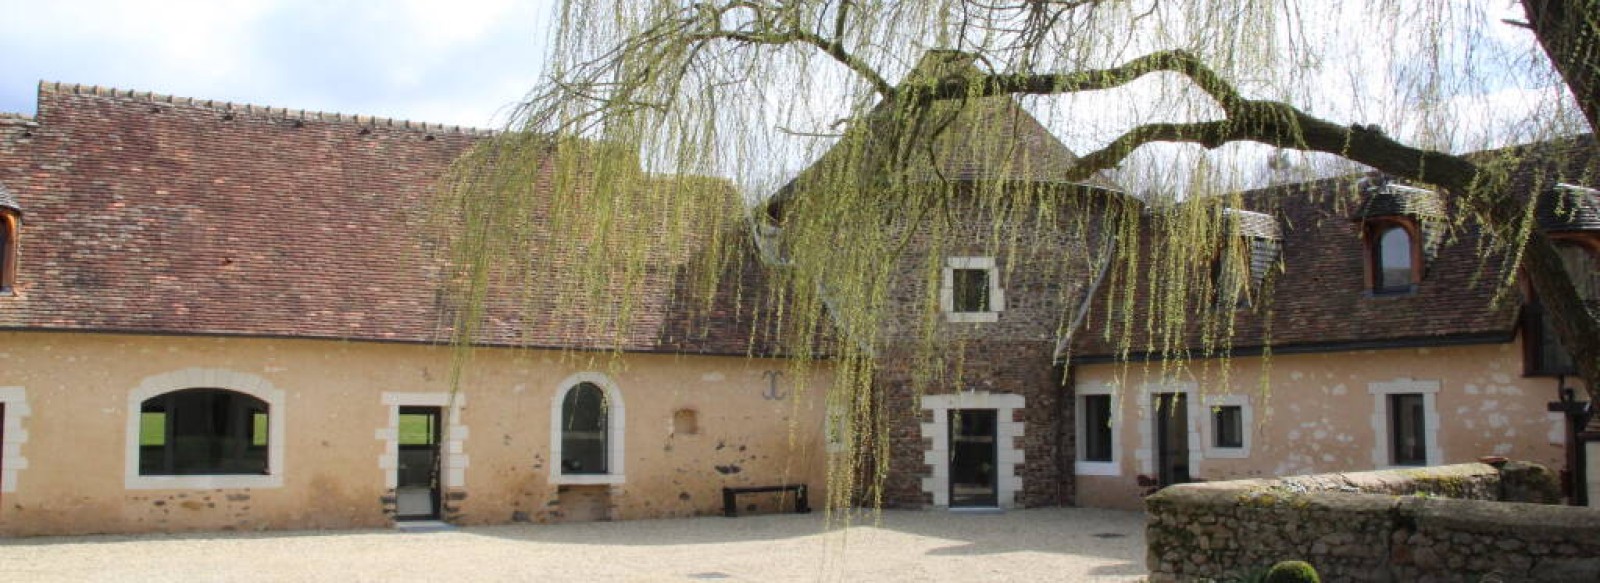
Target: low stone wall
{"x":1376,"y":526}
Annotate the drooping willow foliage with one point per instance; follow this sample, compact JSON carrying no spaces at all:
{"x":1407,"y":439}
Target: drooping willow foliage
{"x":675,"y":138}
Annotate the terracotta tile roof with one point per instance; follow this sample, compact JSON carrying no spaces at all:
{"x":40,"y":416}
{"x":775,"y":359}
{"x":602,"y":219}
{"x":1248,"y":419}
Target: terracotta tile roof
{"x":1319,"y":299}
{"x":159,"y":214}
{"x":1567,"y":207}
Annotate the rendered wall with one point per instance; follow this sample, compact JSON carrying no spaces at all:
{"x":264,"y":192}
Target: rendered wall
{"x":337,"y":402}
{"x":1316,"y":413}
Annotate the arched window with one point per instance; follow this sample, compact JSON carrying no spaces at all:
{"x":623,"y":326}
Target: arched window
{"x":587,"y":430}
{"x":203,"y":432}
{"x":1393,"y":259}
{"x":583,"y":431}
{"x":8,"y":249}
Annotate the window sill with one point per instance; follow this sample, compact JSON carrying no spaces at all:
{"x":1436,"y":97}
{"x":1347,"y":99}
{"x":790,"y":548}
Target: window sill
{"x":1111,"y":468}
{"x":972,"y":317}
{"x":1391,"y":467}
{"x":203,"y":482}
{"x":586,"y":479}
{"x":1391,"y":293}
{"x":1227,"y":453}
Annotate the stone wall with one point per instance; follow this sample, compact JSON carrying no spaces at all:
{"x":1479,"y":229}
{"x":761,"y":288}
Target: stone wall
{"x":1376,"y":526}
{"x":995,"y":368}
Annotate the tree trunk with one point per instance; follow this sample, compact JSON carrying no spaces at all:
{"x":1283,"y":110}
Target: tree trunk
{"x":1569,"y":31}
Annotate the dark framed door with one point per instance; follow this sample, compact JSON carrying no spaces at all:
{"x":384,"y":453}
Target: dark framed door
{"x":974,"y":459}
{"x":1172,"y":438}
{"x":417,"y":475}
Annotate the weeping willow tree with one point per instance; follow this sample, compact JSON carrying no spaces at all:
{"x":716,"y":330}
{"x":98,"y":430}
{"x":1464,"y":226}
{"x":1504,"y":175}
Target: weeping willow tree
{"x":1171,"y":100}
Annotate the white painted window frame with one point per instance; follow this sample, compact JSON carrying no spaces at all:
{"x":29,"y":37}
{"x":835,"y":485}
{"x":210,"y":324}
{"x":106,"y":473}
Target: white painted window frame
{"x":616,"y":426}
{"x":1380,"y":391}
{"x":207,"y":378}
{"x":1091,"y":468}
{"x":1007,"y":455}
{"x":1592,"y":453}
{"x":11,"y":461}
{"x":1145,"y":455}
{"x":947,"y":303}
{"x":453,"y":451}
{"x":1246,"y":426}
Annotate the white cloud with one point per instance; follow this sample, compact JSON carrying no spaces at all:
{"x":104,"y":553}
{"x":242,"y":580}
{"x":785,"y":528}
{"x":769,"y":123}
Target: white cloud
{"x":456,"y":62}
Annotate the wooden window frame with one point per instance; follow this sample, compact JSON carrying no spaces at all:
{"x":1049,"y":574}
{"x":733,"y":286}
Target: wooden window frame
{"x":10,"y":232}
{"x":1372,"y":231}
{"x":1534,"y":325}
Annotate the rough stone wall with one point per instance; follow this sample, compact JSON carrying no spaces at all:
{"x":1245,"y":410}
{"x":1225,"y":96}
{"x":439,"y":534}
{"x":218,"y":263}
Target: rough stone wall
{"x":1020,"y":368}
{"x":1354,"y":527}
{"x":1044,"y":272}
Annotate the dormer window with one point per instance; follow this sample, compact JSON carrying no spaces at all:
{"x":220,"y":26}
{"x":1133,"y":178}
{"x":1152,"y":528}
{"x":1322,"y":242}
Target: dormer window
{"x":1228,"y":274}
{"x":1402,"y":228}
{"x":1394,"y":258}
{"x":1570,"y":215}
{"x":10,"y":226}
{"x":970,"y":290}
{"x":1545,"y":354}
{"x":1240,"y":269}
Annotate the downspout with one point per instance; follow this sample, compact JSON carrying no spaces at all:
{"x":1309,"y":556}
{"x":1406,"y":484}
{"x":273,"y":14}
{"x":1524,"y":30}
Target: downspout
{"x":1061,"y":356}
{"x":1064,"y":344}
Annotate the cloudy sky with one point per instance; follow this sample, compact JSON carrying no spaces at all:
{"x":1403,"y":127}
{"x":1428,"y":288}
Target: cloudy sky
{"x":464,"y":62}
{"x":457,"y":62}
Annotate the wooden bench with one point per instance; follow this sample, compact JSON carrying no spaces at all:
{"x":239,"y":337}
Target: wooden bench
{"x":730,"y":505}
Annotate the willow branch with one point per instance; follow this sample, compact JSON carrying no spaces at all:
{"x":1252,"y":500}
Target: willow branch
{"x":765,"y":33}
{"x":1480,"y":191}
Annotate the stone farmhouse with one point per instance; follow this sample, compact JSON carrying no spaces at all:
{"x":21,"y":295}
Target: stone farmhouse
{"x":1378,"y":345}
{"x":223,"y":316}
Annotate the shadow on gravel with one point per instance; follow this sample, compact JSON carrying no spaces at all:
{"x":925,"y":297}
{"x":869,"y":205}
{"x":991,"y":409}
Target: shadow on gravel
{"x":1111,"y":534}
{"x":1108,"y":534}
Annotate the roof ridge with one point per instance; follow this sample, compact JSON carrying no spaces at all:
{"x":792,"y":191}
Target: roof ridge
{"x":253,"y":109}
{"x":7,"y":117}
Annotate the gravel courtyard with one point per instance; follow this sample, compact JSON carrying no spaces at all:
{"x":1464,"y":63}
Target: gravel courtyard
{"x":1071,"y":544}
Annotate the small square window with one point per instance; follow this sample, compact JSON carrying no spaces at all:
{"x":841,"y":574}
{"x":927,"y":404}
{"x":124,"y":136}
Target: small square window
{"x":971,"y":290}
{"x":1227,"y":426}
